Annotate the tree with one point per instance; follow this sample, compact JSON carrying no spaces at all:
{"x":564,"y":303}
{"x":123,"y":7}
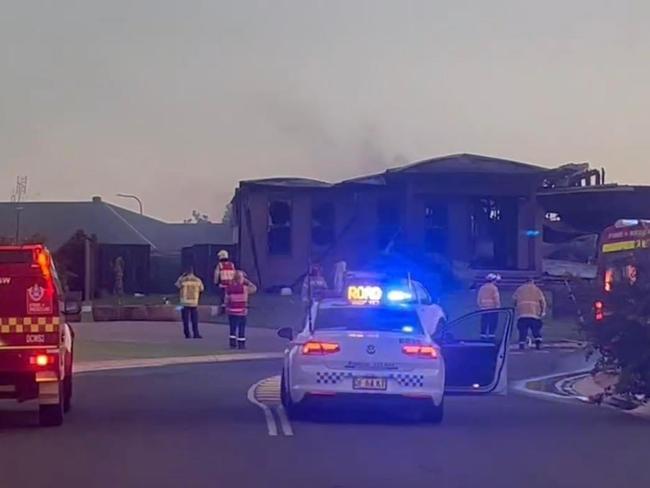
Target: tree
{"x":198,"y":218}
{"x":227,"y":215}
{"x":623,"y":340}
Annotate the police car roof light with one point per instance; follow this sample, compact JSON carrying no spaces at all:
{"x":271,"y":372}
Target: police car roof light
{"x":399,"y":296}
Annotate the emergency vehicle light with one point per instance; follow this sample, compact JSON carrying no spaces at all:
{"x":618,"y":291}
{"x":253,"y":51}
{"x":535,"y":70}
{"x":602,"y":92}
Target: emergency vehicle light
{"x":364,"y":295}
{"x":41,"y":360}
{"x":399,"y":296}
{"x":42,"y":261}
{"x":426,"y":351}
{"x":320,"y":348}
{"x":600,"y":310}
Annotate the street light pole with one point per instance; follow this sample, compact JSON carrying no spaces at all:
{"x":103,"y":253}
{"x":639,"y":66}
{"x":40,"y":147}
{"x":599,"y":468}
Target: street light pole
{"x":18,"y":211}
{"x":133,"y":197}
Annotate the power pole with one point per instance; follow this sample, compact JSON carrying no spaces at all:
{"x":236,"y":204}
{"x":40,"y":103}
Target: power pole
{"x":20,"y":191}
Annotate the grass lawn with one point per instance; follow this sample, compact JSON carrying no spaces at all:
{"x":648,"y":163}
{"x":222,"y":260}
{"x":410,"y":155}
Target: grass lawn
{"x":91,"y":350}
{"x":159,"y":299}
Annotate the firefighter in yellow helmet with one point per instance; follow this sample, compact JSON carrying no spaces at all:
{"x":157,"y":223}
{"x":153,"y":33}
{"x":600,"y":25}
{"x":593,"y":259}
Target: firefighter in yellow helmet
{"x":224,"y":273}
{"x":190,"y":288}
{"x":489,"y":298}
{"x":530,"y":308}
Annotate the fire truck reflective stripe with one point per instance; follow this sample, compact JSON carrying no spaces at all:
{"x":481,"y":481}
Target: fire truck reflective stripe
{"x":20,"y":325}
{"x":29,"y":320}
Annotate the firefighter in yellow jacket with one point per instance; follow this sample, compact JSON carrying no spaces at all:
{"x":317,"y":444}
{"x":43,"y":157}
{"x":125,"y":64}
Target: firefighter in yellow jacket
{"x":489,"y":298}
{"x":190,"y":288}
{"x":530,"y":308}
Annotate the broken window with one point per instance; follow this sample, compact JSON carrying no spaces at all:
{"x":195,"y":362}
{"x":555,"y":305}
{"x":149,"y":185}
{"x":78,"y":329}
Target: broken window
{"x":388,"y":222}
{"x":436,"y":227}
{"x":495,"y":231}
{"x":322,"y":224}
{"x":279,"y":229}
{"x":491,"y":208}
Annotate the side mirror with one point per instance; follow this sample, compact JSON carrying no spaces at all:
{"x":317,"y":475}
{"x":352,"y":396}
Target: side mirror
{"x":72,"y":308}
{"x":286,"y":333}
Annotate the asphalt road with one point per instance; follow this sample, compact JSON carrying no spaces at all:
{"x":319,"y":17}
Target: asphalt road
{"x":192,"y":426}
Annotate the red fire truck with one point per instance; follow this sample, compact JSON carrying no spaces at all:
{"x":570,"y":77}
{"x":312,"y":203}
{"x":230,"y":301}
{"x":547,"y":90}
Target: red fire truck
{"x":36,"y":343}
{"x":623,"y":261}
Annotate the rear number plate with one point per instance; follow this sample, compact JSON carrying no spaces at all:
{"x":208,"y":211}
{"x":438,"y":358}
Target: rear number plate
{"x":369,"y":383}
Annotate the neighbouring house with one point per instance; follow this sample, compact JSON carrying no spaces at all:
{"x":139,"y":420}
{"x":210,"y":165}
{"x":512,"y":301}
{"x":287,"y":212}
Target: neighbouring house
{"x":468,"y":213}
{"x":152,"y":249}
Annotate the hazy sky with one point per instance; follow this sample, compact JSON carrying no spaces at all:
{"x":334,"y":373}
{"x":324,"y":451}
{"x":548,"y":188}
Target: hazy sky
{"x":177,"y":100}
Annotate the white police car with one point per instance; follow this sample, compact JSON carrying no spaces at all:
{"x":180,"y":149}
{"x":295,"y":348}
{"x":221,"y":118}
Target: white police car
{"x":372,"y":346}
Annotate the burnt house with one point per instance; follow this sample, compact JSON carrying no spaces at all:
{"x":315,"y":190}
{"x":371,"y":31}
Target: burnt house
{"x":465,"y":212}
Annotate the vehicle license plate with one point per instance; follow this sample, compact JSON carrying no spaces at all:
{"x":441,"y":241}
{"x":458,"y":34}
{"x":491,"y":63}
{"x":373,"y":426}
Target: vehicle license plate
{"x":365,"y":383}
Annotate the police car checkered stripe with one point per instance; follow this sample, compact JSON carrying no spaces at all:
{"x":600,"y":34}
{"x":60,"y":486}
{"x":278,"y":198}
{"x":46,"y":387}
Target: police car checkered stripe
{"x":331,"y":377}
{"x":33,"y":325}
{"x":402,"y":379}
{"x":409,"y":380}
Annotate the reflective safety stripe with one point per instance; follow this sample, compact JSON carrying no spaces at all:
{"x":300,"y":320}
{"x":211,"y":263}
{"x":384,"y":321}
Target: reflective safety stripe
{"x":233,"y":337}
{"x":34,"y":325}
{"x":241,"y":339}
{"x":226,"y":274}
{"x":237,"y":303}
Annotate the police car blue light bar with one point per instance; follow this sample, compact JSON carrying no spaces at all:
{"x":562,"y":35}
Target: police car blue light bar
{"x":399,"y":296}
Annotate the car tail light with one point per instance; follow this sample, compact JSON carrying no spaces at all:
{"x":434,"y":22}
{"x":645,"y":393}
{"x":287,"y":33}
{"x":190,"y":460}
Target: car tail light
{"x":42,"y":360}
{"x":421,"y":351}
{"x":599,"y":310}
{"x":320,"y":348}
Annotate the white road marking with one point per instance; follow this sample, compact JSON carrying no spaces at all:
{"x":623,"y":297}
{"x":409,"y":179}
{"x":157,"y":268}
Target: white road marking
{"x":522,"y":386}
{"x":284,"y":421}
{"x":268,"y":415}
{"x":266,"y":395}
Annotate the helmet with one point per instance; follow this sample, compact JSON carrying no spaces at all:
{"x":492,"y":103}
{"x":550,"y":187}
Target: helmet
{"x":493,"y":277}
{"x":223,"y":254}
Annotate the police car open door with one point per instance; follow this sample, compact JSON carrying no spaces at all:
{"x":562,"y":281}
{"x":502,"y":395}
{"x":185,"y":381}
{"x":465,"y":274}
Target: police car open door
{"x":475,"y":349}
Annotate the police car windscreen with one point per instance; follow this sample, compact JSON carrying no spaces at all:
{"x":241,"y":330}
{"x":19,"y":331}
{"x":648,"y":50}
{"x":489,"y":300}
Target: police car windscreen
{"x":368,"y":319}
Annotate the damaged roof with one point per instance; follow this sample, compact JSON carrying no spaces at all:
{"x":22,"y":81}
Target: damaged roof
{"x":289,"y":182}
{"x":455,"y":163}
{"x":469,"y":163}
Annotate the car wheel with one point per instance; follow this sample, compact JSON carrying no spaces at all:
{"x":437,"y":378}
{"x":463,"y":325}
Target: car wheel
{"x":434,"y":413}
{"x":67,"y":393}
{"x":52,"y":415}
{"x":67,"y":387}
{"x":294,"y":411}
